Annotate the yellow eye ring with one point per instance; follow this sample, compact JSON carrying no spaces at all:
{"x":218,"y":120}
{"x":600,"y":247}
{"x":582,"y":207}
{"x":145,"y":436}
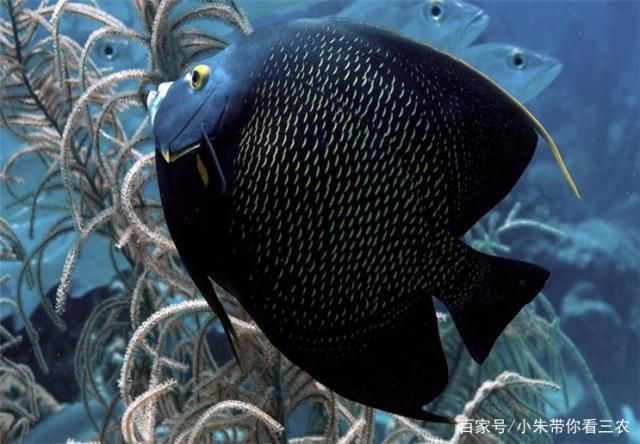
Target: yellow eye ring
{"x":199,"y":77}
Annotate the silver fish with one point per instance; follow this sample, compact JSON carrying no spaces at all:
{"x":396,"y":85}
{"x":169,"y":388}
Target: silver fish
{"x":449,"y":25}
{"x":521,"y":71}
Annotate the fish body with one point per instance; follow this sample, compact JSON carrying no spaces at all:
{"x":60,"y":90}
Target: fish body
{"x":324,"y":174}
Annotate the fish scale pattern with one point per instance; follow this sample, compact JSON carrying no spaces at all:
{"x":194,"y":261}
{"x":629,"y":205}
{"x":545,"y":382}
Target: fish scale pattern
{"x":338,"y":193}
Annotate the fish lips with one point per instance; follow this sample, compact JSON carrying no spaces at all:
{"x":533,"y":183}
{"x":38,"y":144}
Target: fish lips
{"x":474,"y":27}
{"x":542,"y":80}
{"x":155,"y":97}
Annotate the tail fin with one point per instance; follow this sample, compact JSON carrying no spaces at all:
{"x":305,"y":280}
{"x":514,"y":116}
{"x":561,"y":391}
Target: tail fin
{"x":488,"y":295}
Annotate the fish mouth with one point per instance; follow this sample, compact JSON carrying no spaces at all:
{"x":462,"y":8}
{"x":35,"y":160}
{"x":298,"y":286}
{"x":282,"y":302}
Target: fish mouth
{"x":480,"y":18}
{"x":154,"y":98}
{"x":169,"y":157}
{"x":543,"y":79}
{"x":476,"y":25}
{"x":554,"y":70}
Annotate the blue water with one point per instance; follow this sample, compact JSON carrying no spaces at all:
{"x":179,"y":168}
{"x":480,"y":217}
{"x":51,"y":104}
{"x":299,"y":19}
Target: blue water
{"x":592,"y":110}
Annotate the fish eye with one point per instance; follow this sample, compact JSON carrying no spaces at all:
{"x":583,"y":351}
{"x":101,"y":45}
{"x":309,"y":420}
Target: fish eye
{"x":517,"y":59}
{"x":108,"y":50}
{"x":199,"y":77}
{"x":435,"y":10}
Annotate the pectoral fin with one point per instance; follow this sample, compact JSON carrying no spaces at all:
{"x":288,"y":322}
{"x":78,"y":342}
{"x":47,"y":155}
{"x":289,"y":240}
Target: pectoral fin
{"x":209,"y":167}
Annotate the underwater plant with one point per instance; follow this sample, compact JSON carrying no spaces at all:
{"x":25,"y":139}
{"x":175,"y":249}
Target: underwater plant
{"x":152,"y":353}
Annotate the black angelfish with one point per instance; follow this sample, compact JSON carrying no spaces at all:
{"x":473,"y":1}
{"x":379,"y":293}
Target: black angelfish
{"x":323,"y":171}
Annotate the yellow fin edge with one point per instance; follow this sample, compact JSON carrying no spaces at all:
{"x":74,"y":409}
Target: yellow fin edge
{"x":554,"y":149}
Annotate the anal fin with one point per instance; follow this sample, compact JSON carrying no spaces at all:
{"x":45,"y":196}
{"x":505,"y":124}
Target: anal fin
{"x":400,"y":368}
{"x":485,"y":294}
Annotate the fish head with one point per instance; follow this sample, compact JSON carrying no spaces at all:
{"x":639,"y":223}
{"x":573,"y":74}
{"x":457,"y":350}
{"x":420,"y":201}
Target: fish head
{"x":178,"y":112}
{"x":451,"y":25}
{"x":522,"y":72}
{"x":189,"y":117}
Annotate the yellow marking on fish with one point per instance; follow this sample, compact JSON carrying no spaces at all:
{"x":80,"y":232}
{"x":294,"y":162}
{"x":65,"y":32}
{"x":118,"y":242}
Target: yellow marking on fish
{"x":166,"y":154}
{"x":202,"y":171}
